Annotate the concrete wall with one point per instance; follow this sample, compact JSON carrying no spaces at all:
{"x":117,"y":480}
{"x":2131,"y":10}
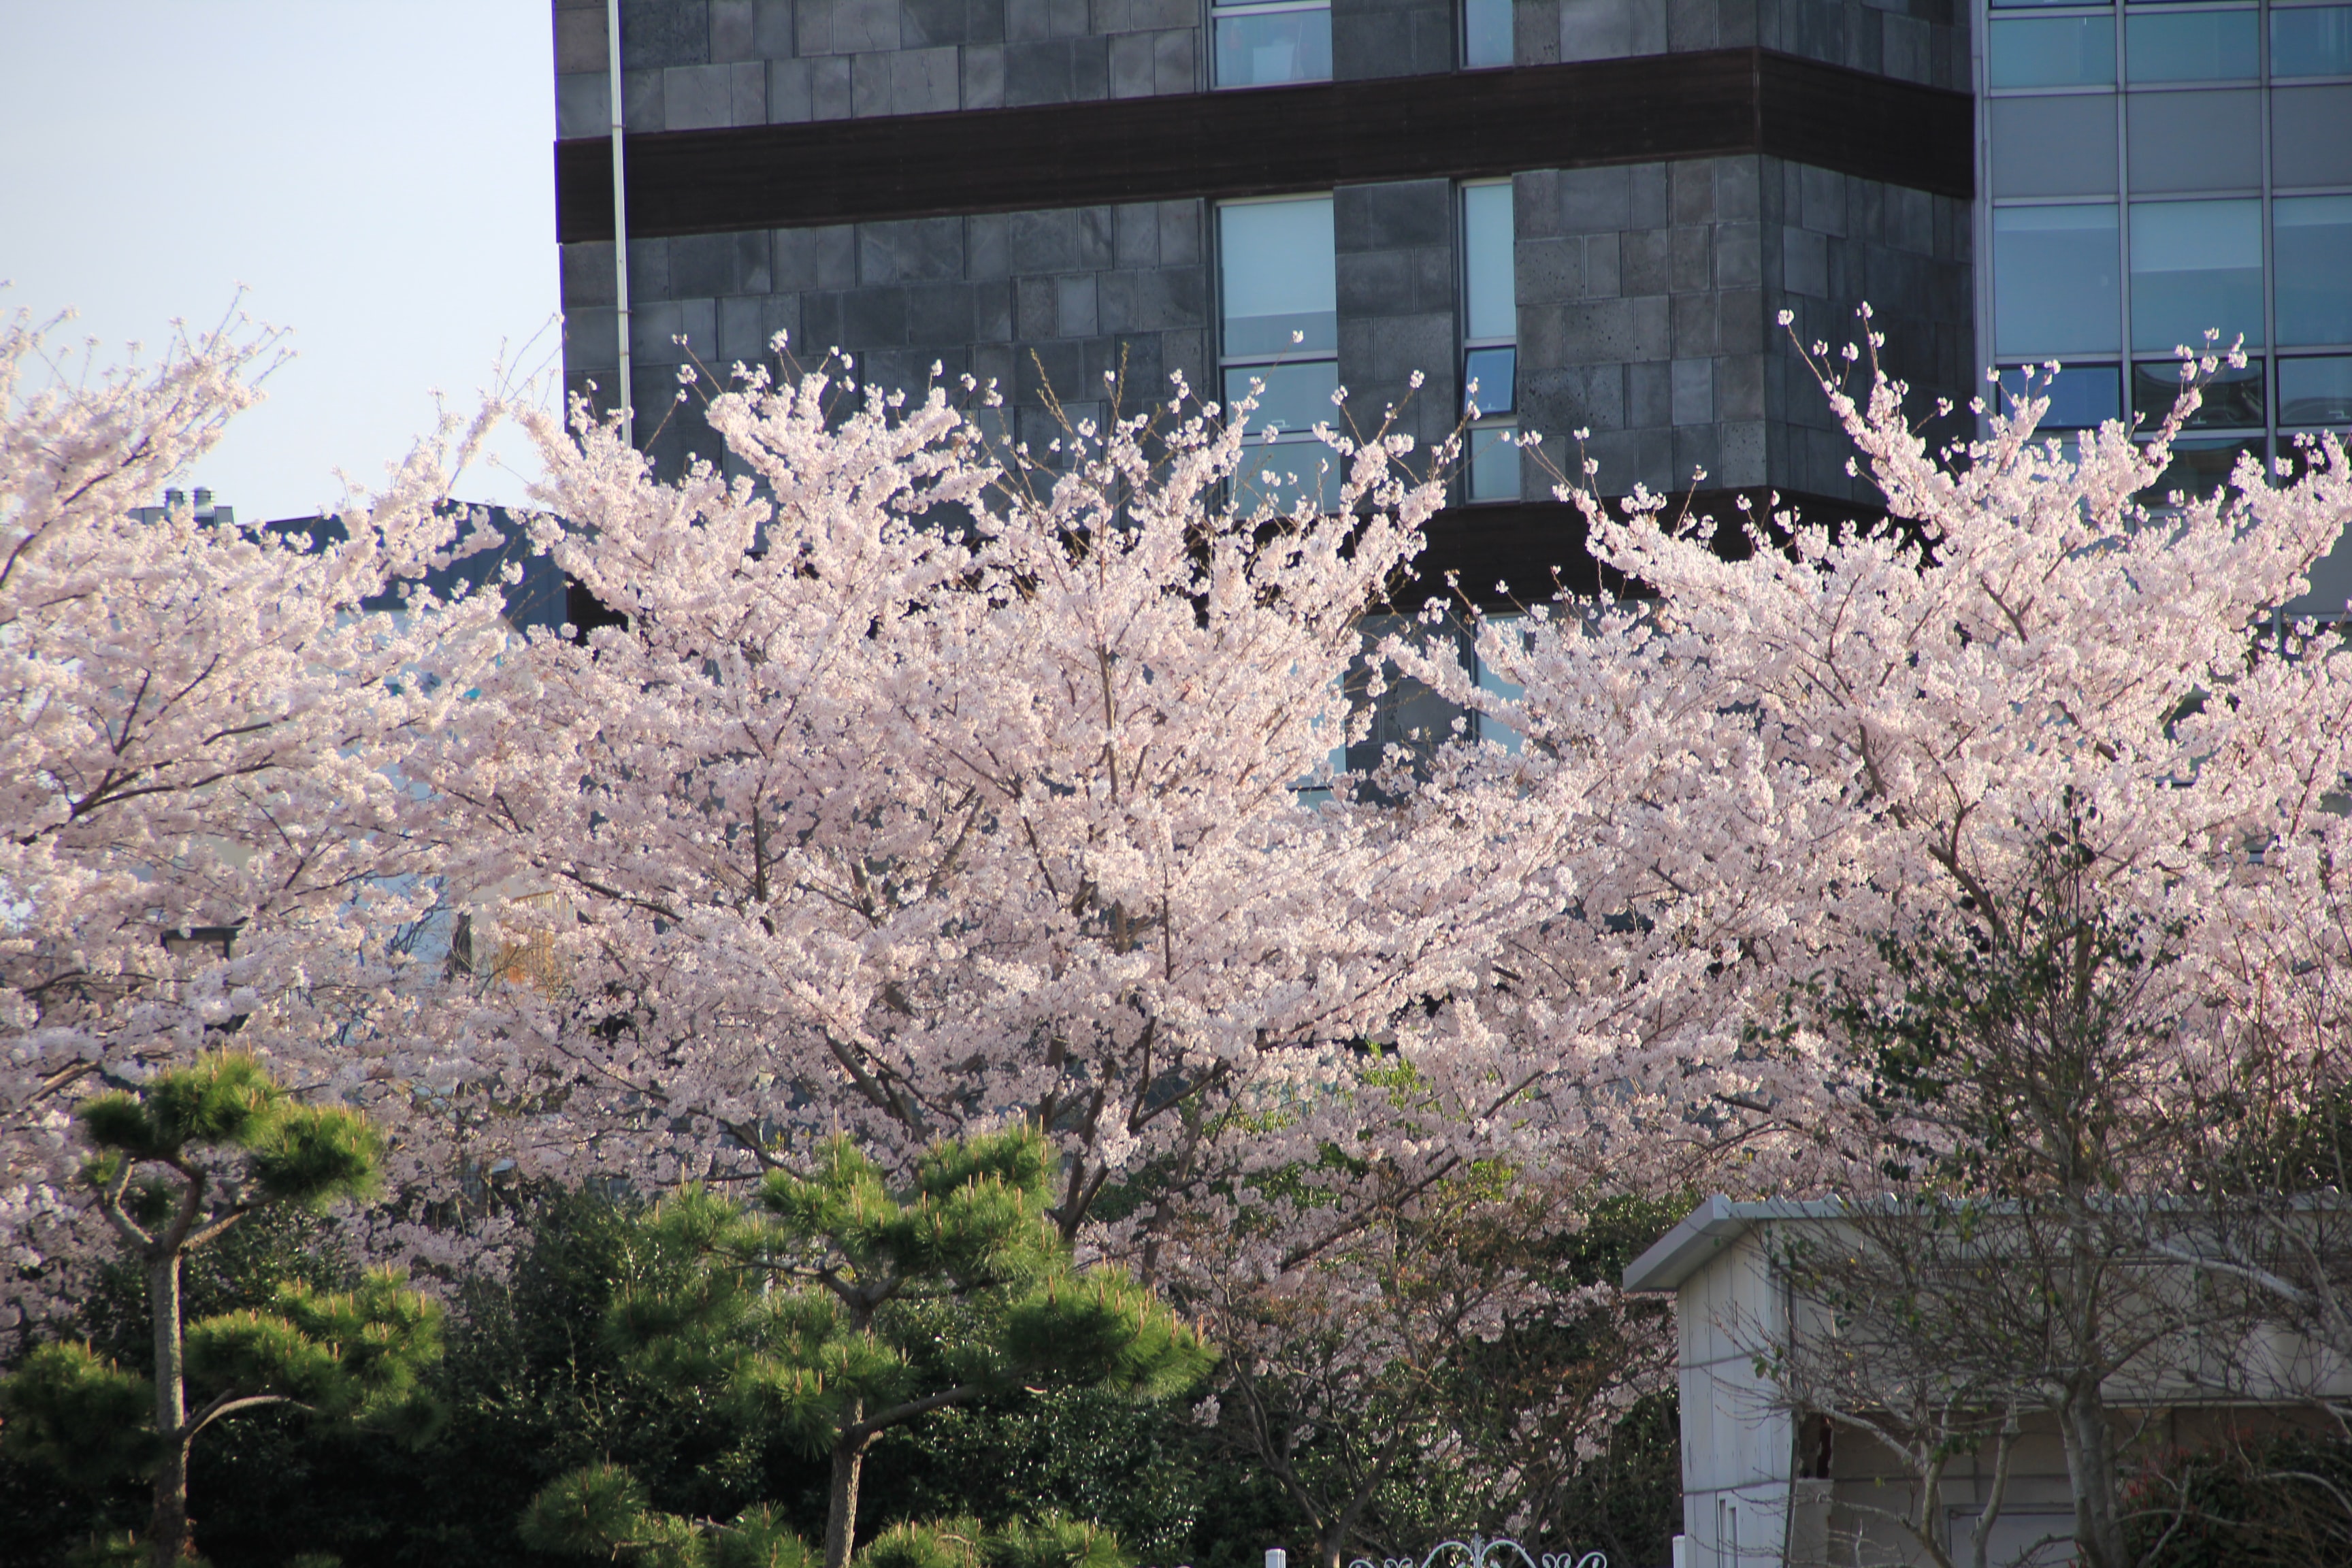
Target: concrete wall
{"x":1736,"y":1446}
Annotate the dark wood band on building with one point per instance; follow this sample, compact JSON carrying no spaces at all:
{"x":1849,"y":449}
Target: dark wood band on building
{"x":1463,"y":125}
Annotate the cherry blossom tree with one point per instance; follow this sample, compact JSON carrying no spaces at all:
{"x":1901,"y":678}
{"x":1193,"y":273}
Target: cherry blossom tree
{"x":204,"y":824}
{"x":1809,"y":737}
{"x":932,"y":786}
{"x":1820,"y":749}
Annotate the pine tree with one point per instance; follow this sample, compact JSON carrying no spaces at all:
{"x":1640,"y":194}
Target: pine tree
{"x":179,"y":1162}
{"x":838,"y":1309}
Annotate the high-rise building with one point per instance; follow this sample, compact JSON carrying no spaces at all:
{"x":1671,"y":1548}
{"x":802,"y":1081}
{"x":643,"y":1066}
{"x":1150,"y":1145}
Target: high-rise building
{"x":1594,"y":209}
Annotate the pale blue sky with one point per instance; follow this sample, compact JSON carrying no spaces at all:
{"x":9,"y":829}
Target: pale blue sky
{"x":376,"y":172}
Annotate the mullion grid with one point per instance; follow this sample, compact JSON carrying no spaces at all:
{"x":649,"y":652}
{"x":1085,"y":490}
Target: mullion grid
{"x":2272,"y":439}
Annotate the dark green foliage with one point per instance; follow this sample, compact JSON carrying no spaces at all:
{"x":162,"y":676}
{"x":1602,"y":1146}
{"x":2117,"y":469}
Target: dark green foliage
{"x":1146,"y":1472}
{"x":356,"y":1355}
{"x":946,"y":1544}
{"x":1629,"y":1503}
{"x":227,"y":1100}
{"x":74,"y":1411}
{"x":2277,"y":1499}
{"x":589,"y":1512}
{"x":316,"y":1156}
{"x":836,"y":1310}
{"x":181,"y":1163}
{"x":1050,"y":1541}
{"x":534,"y":1388}
{"x":601,"y":1511}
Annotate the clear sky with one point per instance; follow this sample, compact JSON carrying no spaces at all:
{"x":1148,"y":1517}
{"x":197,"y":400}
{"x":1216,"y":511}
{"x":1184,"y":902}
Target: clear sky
{"x":376,"y":173}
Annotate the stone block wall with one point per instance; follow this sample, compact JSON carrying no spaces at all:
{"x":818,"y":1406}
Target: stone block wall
{"x":697,"y":64}
{"x":1399,"y":310}
{"x":1393,"y":37}
{"x":1912,"y":41}
{"x":1649,"y":298}
{"x":1030,"y":301}
{"x":1831,"y":242}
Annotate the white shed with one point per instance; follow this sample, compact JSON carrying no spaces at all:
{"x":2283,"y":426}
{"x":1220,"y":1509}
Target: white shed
{"x":1761,"y":1488}
{"x":1738,"y":1449}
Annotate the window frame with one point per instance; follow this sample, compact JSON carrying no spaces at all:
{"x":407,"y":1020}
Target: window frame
{"x":1504,"y":420}
{"x":1228,"y":363}
{"x":1217,"y":11}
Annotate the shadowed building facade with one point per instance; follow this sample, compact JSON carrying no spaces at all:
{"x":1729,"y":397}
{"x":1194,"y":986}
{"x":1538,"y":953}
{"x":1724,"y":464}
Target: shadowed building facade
{"x":1594,"y":209}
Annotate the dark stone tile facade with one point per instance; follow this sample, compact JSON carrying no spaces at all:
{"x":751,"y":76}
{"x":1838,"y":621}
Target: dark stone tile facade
{"x":1392,"y":37}
{"x":1649,"y":299}
{"x":696,"y":63}
{"x":1647,"y":294}
{"x":1912,"y":41}
{"x":1035,"y":302}
{"x":1397,"y":306}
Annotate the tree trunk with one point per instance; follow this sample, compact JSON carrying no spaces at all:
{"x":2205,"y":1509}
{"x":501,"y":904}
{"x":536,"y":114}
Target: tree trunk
{"x":841,"y":1505}
{"x":167,"y":1524}
{"x":2090,"y":1468}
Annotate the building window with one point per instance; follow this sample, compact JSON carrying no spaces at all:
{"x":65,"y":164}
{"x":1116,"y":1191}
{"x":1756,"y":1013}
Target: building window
{"x":2082,"y":396}
{"x":2231,"y":400}
{"x":1271,"y":42}
{"x":2051,"y":51}
{"x":2229,"y":150}
{"x":2055,"y":279}
{"x":2315,"y":393}
{"x":2191,"y":46}
{"x":1279,"y":294}
{"x":2194,"y":266}
{"x":2311,"y":40}
{"x":1490,"y":336}
{"x":1485,"y":33}
{"x":2313,"y":236}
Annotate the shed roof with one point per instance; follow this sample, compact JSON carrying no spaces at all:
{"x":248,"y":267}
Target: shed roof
{"x":1707,"y":1230}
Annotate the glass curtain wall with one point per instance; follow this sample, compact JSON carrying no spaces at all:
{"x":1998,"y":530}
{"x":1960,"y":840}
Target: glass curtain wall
{"x":2158,"y":167}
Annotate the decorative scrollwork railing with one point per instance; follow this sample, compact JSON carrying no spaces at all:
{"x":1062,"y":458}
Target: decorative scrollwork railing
{"x":1480,"y":1553}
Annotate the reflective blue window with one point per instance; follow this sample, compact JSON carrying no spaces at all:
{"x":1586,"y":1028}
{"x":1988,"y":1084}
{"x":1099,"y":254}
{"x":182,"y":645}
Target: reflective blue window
{"x":1266,"y":46}
{"x":2191,"y":46}
{"x":1496,"y":372}
{"x":1494,"y":463}
{"x":1485,"y":33}
{"x":2082,"y":396}
{"x":2312,"y":237}
{"x":2201,"y":465}
{"x":1278,"y":295}
{"x":2311,"y":40}
{"x":2057,"y":280}
{"x":1490,"y":328}
{"x":2232,"y":398}
{"x":2315,"y":392}
{"x":2196,"y":264}
{"x":1490,"y":290}
{"x":1296,"y":398}
{"x":2052,"y":51}
{"x":1277,"y":277}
